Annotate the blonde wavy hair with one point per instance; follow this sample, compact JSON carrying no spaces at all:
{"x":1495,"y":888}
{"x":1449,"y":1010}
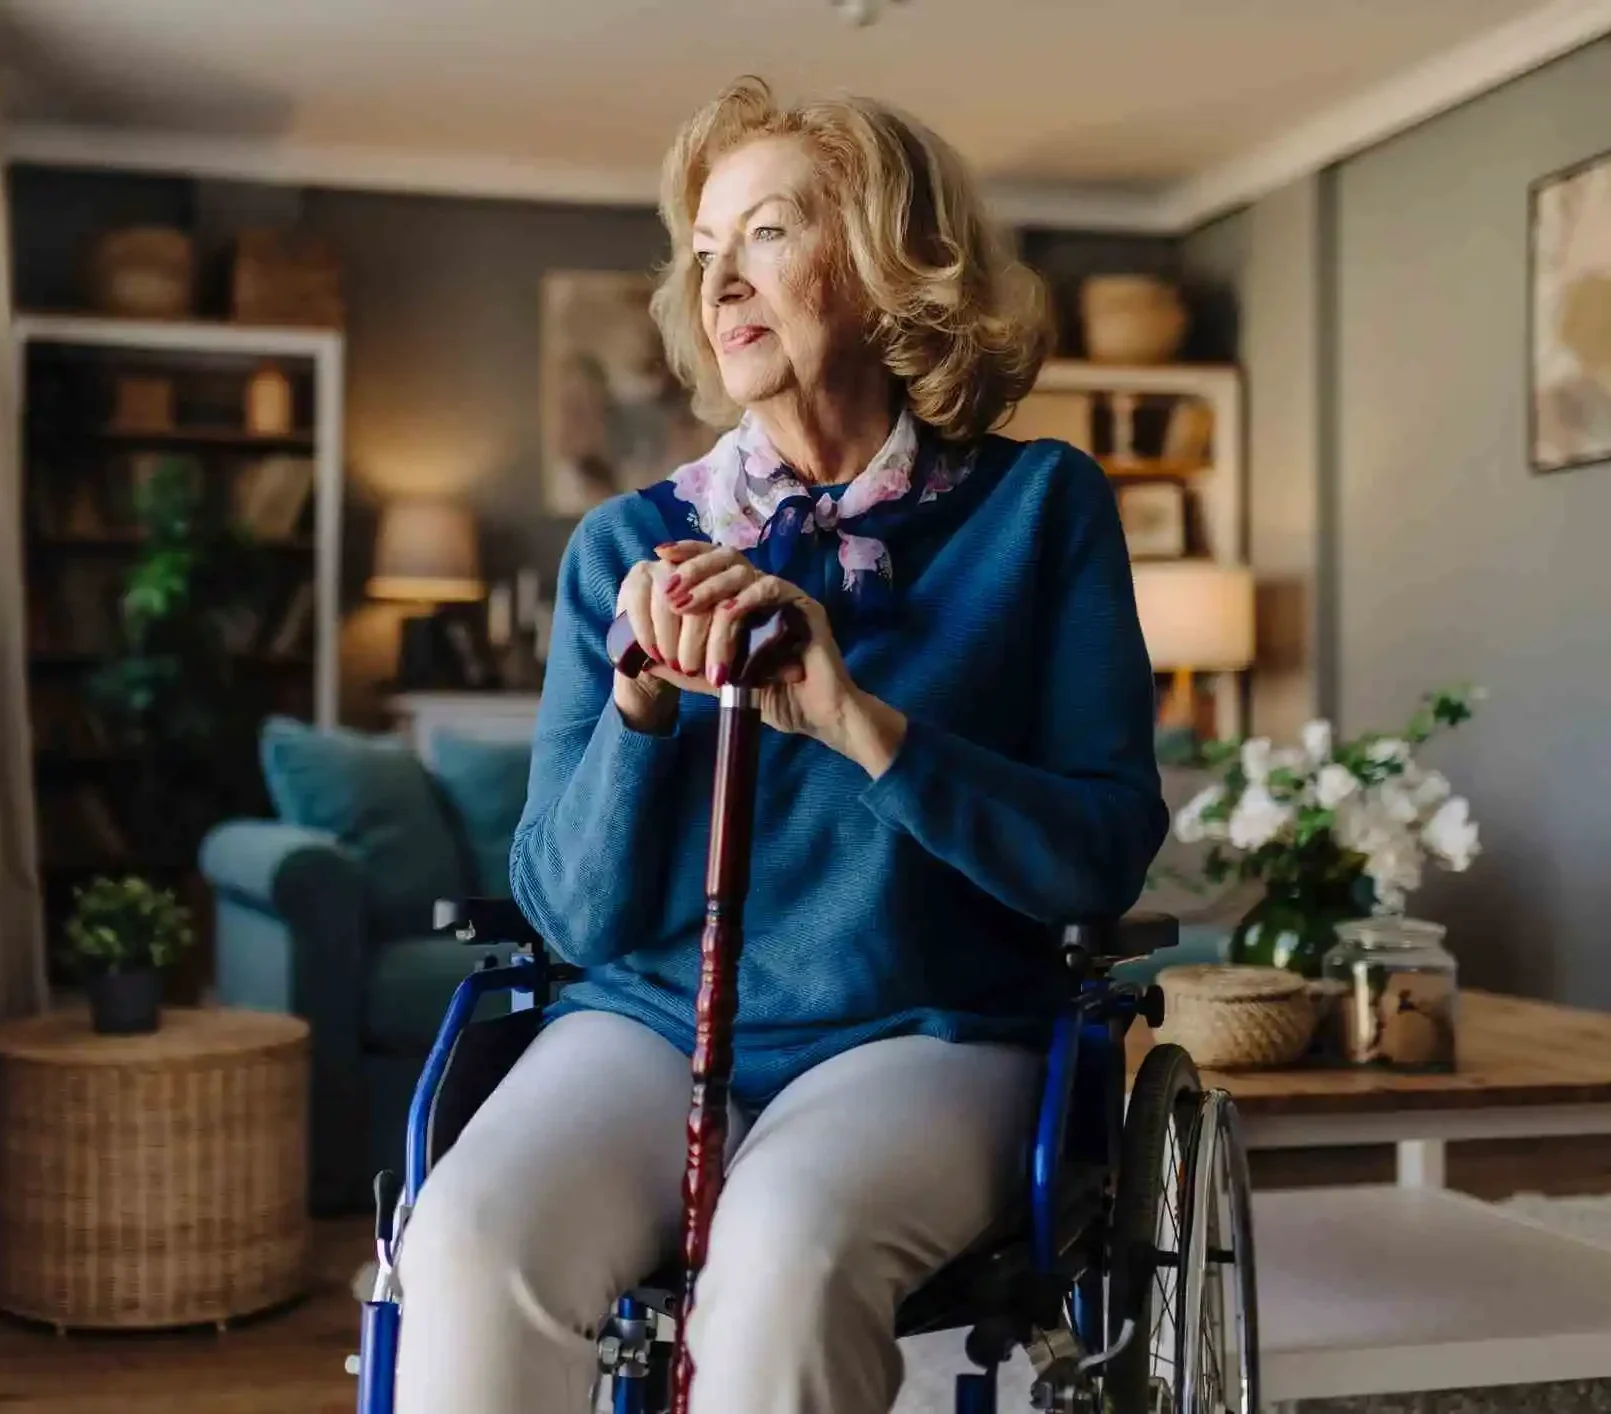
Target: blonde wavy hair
{"x":957,"y":319}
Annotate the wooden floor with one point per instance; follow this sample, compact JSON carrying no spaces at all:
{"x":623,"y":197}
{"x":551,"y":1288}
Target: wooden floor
{"x":290,"y":1361}
{"x":284,"y":1362}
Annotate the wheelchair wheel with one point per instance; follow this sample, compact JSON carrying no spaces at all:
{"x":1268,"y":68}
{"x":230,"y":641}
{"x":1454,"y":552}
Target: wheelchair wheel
{"x":1145,"y":1265}
{"x":1217,"y":1334}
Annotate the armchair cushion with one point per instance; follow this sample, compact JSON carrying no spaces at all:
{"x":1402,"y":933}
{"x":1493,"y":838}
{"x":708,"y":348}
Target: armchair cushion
{"x":374,"y":795}
{"x":411,"y":981}
{"x":485,"y":782}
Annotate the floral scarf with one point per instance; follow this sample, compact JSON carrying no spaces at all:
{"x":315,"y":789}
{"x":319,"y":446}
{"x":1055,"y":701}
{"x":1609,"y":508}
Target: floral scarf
{"x":743,"y":495}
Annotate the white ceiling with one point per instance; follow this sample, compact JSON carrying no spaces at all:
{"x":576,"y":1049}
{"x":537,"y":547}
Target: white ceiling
{"x":1054,"y":96}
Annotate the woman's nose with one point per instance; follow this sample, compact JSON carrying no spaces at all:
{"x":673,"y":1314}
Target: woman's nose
{"x":724,"y":281}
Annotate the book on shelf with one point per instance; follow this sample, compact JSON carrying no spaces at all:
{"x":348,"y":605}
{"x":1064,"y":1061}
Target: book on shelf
{"x":270,"y":494}
{"x":294,"y":635}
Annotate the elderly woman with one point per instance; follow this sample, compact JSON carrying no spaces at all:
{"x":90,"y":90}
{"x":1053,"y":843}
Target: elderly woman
{"x":962,"y":757}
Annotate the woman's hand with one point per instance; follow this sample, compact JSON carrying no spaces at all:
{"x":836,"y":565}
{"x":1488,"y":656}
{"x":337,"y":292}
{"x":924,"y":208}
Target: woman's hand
{"x":688,"y":606}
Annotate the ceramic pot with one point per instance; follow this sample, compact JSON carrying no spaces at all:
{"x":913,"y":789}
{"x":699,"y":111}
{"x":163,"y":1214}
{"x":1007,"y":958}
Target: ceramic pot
{"x":126,"y":1003}
{"x":1132,"y":319}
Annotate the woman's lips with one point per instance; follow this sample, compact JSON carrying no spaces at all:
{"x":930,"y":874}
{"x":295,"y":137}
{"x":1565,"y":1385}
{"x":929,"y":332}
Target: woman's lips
{"x":743,"y":336}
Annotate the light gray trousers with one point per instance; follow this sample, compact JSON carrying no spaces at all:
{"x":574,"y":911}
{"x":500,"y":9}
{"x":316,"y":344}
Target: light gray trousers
{"x":860,"y":1179}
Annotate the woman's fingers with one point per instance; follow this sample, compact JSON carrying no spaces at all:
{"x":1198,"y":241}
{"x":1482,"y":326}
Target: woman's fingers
{"x":763,"y":593}
{"x":667,"y":625}
{"x":691,"y":644}
{"x":722,"y":584}
{"x":676,"y":552}
{"x":634,"y":601}
{"x":689,"y":585}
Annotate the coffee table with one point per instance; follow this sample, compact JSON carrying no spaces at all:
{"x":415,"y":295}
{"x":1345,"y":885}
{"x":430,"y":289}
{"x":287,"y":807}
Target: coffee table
{"x":1396,"y":1289}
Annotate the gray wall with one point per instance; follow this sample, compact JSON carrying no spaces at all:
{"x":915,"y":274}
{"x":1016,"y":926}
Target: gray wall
{"x":1267,"y":258}
{"x":1452,"y":560}
{"x":442,"y":358}
{"x":1384,"y":309}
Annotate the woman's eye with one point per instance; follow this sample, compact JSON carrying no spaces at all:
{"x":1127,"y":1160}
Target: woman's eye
{"x":703,"y":258}
{"x":768,"y":233}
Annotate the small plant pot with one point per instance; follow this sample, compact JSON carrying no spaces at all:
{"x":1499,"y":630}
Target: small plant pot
{"x":126,"y":1003}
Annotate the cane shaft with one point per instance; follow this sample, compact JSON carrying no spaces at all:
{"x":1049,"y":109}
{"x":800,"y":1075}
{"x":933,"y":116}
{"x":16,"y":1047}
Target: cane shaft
{"x":726,"y":883}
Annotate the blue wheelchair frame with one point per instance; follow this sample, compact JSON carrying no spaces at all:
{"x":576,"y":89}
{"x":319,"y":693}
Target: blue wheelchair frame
{"x":1076,"y":1148}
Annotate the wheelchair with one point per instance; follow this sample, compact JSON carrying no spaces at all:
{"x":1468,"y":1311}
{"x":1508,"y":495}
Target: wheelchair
{"x":1125,"y":1272}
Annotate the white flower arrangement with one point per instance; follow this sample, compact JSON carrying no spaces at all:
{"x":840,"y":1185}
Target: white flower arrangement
{"x":1330,"y":813}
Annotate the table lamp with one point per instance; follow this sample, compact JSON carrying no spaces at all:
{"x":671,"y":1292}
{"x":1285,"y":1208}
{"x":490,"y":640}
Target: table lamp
{"x":1196,"y":617}
{"x":426,"y":553}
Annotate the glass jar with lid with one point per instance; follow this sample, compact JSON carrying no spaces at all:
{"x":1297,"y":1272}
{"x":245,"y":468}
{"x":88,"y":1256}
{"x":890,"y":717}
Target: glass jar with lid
{"x":1391,"y":991}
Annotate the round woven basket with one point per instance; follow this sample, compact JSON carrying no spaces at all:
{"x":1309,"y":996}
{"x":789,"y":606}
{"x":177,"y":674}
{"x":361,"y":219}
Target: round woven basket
{"x":1237,"y":1018}
{"x":152,"y":1180}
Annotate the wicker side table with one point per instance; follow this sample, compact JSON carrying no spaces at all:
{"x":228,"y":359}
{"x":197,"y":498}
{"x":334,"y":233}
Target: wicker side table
{"x":156,"y":1180}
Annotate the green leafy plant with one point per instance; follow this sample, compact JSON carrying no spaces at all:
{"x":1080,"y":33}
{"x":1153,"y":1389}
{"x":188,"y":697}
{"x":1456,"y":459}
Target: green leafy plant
{"x":172,"y":695}
{"x":118,"y":925}
{"x":173,"y":676}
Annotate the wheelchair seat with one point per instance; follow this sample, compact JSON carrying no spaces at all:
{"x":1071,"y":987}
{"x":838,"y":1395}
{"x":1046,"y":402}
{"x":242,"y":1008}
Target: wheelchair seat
{"x":987,"y":1280}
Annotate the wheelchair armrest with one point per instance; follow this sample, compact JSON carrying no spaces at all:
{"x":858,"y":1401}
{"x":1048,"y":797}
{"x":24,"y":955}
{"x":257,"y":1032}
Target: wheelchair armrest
{"x":1137,"y":934}
{"x":479,"y":921}
{"x":486,"y":920}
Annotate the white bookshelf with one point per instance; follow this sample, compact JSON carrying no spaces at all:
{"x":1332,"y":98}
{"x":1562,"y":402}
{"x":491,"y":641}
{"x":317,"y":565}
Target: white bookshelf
{"x":321,"y":350}
{"x":1216,"y":485}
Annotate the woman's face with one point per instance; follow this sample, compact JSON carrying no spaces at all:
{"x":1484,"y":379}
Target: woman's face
{"x":776,"y":317}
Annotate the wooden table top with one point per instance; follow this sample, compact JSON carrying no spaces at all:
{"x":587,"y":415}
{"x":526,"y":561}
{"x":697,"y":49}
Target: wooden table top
{"x":64,"y":1037}
{"x":1509,"y":1051}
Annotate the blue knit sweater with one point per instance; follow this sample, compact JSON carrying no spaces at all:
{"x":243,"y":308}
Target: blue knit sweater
{"x":1025,"y":794}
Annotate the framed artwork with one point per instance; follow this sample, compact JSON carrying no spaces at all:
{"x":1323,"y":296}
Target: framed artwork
{"x":1153,"y":514}
{"x":612,"y":417}
{"x":1569,"y":317}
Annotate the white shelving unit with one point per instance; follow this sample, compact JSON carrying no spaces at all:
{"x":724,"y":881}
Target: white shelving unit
{"x":322,"y":349}
{"x":1217,"y":486}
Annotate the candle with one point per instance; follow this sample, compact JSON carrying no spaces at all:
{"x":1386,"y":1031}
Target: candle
{"x":498,"y":625}
{"x":527,"y":585}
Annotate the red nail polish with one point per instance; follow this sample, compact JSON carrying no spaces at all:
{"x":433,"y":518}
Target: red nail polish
{"x":729,"y":603}
{"x":719,"y":677}
{"x":674,"y":584}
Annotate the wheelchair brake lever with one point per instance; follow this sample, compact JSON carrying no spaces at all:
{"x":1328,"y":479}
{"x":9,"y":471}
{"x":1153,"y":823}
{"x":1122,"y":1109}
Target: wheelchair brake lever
{"x":1102,"y":1357}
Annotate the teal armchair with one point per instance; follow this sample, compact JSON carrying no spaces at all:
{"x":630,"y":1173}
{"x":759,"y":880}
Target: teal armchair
{"x":326,"y":913}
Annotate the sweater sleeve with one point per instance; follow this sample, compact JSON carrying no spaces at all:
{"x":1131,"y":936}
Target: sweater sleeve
{"x":1068,"y":831}
{"x":588,"y":856}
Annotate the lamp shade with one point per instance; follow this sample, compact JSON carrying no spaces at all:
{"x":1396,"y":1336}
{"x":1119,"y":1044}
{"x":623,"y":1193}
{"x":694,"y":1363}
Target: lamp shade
{"x":426,"y":551}
{"x":1195,"y":614}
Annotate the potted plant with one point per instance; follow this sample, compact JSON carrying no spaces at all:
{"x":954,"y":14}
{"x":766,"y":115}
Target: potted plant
{"x":1333,"y":830}
{"x":122,"y":933}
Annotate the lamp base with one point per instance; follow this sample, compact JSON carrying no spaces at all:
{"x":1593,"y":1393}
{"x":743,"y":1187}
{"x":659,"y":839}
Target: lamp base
{"x":420,"y":662}
{"x":1178,"y":711}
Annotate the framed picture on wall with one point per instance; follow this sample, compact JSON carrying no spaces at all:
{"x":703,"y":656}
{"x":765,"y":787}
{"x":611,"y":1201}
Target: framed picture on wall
{"x":1569,"y":317}
{"x":612,"y":416}
{"x":1153,"y":514}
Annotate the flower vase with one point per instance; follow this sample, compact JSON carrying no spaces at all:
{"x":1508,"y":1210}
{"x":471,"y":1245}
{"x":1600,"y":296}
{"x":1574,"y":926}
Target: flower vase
{"x":1294,"y":926}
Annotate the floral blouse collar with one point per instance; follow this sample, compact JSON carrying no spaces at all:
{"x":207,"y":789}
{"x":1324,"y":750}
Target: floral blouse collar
{"x":743,"y":495}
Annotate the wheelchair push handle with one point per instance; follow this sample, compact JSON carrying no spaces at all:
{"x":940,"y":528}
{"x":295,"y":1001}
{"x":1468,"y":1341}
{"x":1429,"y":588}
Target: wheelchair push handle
{"x":766,"y":641}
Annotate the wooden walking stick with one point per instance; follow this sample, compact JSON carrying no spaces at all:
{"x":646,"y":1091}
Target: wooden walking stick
{"x":765,"y":643}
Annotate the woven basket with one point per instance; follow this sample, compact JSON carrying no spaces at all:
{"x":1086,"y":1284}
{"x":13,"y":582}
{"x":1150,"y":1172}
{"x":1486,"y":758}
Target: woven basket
{"x":155,"y":1180}
{"x":143,"y":272}
{"x":1237,"y":1018}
